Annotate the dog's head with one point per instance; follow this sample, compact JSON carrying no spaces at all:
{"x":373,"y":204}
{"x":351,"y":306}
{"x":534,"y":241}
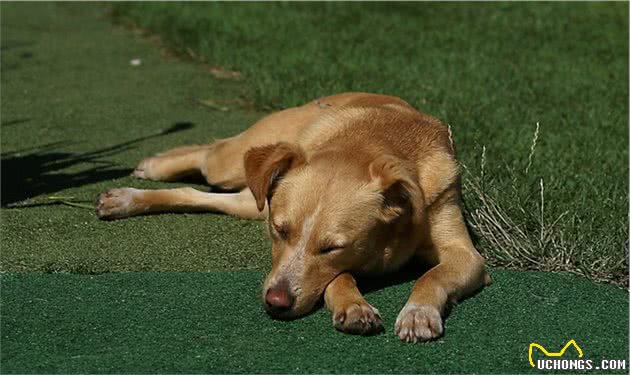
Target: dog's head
{"x":335,"y":212}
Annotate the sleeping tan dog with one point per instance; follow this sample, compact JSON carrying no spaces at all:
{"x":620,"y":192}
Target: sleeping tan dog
{"x":351,"y":185}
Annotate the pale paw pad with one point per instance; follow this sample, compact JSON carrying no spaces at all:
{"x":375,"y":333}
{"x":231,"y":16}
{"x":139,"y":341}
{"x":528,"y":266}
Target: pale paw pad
{"x":418,"y":323}
{"x":115,"y":203}
{"x":144,"y":169}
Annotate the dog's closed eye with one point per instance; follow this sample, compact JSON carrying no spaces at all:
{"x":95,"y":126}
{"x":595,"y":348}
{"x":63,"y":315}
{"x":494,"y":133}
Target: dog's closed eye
{"x":334,"y":243}
{"x":333,"y":246}
{"x":330,"y":249}
{"x":280,"y":230}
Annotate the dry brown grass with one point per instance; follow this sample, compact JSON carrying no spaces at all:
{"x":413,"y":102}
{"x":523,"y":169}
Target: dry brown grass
{"x":524,"y":236}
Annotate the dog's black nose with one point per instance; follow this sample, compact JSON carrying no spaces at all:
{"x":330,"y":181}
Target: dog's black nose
{"x":278,"y":298}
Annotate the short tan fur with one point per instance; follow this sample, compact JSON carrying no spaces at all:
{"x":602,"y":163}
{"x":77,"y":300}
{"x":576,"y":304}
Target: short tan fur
{"x":351,"y":185}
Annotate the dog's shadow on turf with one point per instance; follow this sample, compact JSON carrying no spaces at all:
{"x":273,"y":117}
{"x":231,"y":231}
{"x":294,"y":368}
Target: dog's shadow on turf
{"x":410,"y":272}
{"x":45,"y":169}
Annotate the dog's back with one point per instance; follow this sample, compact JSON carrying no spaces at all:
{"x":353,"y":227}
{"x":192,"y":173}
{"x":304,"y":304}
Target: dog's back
{"x":380,"y":124}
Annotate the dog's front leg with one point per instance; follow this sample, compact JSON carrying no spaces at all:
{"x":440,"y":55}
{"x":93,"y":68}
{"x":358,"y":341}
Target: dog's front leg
{"x":350,"y":311}
{"x":459,"y":273}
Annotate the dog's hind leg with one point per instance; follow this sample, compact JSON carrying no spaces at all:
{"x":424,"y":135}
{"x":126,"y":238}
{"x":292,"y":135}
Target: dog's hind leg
{"x":173,"y":164}
{"x":221,"y":162}
{"x":125,"y":202}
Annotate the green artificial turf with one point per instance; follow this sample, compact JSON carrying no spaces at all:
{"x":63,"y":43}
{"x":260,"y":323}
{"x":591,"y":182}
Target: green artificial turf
{"x":213,"y":323}
{"x":76,"y":118}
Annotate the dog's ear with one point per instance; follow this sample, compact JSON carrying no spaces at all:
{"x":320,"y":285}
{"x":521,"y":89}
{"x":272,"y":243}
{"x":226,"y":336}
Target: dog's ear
{"x":395,"y":183}
{"x":265,"y":165}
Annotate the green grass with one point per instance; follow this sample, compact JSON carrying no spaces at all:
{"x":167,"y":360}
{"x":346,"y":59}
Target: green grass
{"x":492,"y":71}
{"x":77,"y":117}
{"x":77,"y":93}
{"x":213,"y":323}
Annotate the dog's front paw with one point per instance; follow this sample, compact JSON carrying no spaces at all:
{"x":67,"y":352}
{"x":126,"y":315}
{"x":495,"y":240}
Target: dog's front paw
{"x":358,"y":319}
{"x":418,"y":323}
{"x":115,"y":203}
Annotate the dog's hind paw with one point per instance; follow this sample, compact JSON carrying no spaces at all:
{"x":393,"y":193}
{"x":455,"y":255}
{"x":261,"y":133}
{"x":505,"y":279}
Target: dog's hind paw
{"x":115,"y":203}
{"x":418,"y":323}
{"x":143,"y":170}
{"x":358,"y":319}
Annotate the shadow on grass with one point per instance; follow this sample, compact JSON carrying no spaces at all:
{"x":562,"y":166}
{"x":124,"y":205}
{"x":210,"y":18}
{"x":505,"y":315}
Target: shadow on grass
{"x":42,"y":169}
{"x":9,"y":48}
{"x":411,"y":271}
{"x":15,"y":122}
